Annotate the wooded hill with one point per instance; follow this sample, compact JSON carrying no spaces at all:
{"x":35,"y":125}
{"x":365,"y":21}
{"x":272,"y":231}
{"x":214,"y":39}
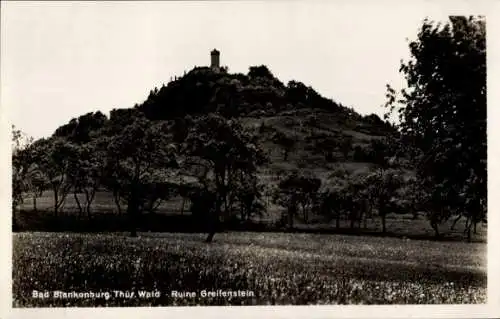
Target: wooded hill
{"x":291,"y":119}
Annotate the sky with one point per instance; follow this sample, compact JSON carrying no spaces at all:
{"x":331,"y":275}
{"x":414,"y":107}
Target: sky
{"x":60,"y":60}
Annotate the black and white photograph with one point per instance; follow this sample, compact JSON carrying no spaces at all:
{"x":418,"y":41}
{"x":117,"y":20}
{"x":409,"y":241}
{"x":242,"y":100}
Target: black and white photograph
{"x":170,"y":154}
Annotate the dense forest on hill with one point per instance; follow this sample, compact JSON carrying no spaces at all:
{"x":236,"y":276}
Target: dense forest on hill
{"x":204,"y":90}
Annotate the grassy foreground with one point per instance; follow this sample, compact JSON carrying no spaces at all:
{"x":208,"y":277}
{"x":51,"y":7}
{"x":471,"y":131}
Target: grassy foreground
{"x":277,"y":268}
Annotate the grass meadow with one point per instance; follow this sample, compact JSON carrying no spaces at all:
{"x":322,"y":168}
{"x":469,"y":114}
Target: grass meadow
{"x":279,"y":268}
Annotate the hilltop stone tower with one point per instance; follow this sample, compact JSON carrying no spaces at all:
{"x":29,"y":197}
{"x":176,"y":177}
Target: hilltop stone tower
{"x":215,"y":59}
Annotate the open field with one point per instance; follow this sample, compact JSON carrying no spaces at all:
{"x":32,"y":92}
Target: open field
{"x":278,"y":268}
{"x":103,"y":203}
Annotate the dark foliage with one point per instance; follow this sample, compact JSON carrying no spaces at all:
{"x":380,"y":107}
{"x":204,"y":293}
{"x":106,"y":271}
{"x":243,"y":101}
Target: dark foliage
{"x":79,"y":130}
{"x":442,"y":115}
{"x":203,"y":90}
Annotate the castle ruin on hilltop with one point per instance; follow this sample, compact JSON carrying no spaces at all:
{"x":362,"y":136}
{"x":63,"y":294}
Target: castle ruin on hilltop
{"x":215,"y":59}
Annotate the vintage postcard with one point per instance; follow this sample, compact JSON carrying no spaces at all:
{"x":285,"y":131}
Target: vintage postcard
{"x":315,"y":159}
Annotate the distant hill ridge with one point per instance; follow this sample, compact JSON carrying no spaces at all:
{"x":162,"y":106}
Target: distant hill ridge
{"x":258,"y":93}
{"x":213,"y":89}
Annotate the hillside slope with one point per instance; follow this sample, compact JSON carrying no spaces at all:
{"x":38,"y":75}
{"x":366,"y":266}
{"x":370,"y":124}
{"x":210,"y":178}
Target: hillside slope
{"x":318,"y":132}
{"x":313,"y":131}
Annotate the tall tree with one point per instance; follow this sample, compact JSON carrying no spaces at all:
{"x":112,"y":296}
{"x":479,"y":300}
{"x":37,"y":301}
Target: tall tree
{"x":21,"y":166}
{"x":297,"y":190}
{"x":382,"y":185}
{"x":224,"y":148}
{"x":442,"y":112}
{"x":287,"y":142}
{"x":87,"y":170}
{"x":248,"y":193}
{"x":53,"y":157}
{"x":335,"y":199}
{"x":139,"y":156}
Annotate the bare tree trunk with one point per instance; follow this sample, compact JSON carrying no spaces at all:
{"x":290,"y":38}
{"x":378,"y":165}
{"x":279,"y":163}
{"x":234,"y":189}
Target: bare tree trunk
{"x":80,"y":210}
{"x":468,"y":228}
{"x":117,"y":201}
{"x":210,"y":236}
{"x":304,"y":214}
{"x":291,"y":215}
{"x":384,"y":227}
{"x":90,"y":198}
{"x":469,"y":236}
{"x":362,"y":213}
{"x":34,"y":203}
{"x":56,"y":201}
{"x":369,"y":214}
{"x":59,"y":199}
{"x":182,"y":205}
{"x":214,"y":220}
{"x":133,"y":211}
{"x":414,"y":210}
{"x":365,"y":218}
{"x":435,"y":226}
{"x":89,"y":216}
{"x":352,"y":215}
{"x":15,"y":224}
{"x":133,"y":232}
{"x":455,"y":222}
{"x":212,"y":228}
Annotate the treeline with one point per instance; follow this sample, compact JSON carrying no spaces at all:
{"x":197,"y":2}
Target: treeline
{"x":212,"y":162}
{"x":209,"y":160}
